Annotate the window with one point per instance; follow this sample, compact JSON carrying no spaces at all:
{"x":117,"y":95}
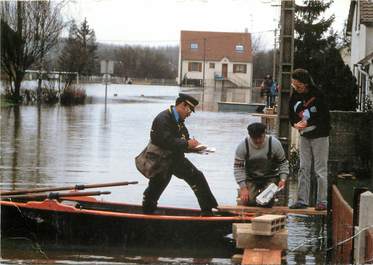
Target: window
{"x":212,"y":65}
{"x":239,"y":48}
{"x":195,"y":67}
{"x":194,"y":46}
{"x":239,"y":68}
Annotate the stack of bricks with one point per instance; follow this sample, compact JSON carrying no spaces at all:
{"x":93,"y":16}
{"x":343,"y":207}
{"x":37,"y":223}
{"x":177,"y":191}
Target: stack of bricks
{"x":266,"y":232}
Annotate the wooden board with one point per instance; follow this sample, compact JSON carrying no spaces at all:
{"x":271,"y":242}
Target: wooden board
{"x":273,"y":210}
{"x":261,"y":256}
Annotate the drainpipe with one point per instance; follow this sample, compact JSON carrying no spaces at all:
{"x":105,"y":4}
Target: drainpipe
{"x":361,"y":71}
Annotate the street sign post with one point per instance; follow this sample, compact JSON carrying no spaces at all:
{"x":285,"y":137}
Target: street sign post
{"x":107,"y":68}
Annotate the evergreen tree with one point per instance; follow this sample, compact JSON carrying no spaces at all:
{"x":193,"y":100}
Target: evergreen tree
{"x":79,"y":53}
{"x":316,"y":50}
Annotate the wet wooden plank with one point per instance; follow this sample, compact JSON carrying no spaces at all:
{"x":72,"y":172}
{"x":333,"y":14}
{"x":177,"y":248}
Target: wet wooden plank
{"x":261,"y":256}
{"x":273,"y":210}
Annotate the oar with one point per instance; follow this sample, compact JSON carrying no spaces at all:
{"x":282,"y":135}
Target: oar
{"x":55,"y":195}
{"x":76,"y":187}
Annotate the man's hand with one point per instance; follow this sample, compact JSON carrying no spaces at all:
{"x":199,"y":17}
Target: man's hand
{"x":281,"y":184}
{"x":300,"y":125}
{"x":192,"y":143}
{"x":244,"y":195}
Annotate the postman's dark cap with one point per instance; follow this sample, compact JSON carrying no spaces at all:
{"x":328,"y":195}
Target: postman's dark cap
{"x":191,"y":101}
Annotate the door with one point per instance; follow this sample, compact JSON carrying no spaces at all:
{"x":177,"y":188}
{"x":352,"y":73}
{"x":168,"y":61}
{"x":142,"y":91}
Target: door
{"x":224,"y":70}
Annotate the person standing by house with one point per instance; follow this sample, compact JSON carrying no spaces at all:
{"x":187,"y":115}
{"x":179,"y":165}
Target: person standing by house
{"x":169,"y":133}
{"x":259,"y":161}
{"x":309,"y":114}
{"x":274,"y":91}
{"x":266,"y":89}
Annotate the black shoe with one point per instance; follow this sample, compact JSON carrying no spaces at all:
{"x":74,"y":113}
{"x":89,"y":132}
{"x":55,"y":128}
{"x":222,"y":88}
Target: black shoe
{"x":298,"y":205}
{"x":207,"y":213}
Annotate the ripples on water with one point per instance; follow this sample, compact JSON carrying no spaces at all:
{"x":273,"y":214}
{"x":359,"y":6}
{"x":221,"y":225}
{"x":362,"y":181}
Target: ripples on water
{"x":58,"y":146}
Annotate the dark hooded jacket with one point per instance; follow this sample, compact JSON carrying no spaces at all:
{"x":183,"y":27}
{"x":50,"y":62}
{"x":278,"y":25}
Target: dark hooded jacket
{"x":317,"y":109}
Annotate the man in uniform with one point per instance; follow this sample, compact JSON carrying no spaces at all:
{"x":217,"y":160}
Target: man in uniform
{"x":168,"y":132}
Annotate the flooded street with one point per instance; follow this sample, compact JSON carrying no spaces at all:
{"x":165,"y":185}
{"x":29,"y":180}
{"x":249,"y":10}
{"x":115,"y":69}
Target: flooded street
{"x":60,"y":146}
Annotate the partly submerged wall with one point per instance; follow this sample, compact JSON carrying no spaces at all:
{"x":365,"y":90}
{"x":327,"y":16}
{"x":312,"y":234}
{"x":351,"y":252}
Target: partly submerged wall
{"x":351,"y":143}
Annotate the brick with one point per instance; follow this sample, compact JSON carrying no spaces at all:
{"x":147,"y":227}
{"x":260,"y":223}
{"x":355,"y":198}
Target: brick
{"x":268,"y":224}
{"x":246,"y":239}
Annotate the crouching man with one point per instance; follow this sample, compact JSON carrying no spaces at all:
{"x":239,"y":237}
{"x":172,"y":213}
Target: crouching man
{"x":259,"y":161}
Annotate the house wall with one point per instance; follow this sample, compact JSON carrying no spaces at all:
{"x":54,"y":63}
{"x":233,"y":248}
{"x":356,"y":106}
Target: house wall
{"x":358,"y":42}
{"x":244,"y":79}
{"x":361,"y":41}
{"x":369,"y":39}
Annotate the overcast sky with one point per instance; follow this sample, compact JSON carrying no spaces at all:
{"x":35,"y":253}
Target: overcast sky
{"x":159,"y":22}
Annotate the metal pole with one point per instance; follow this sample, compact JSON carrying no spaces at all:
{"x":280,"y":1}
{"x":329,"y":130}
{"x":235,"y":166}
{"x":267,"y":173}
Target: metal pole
{"x":274,"y":57}
{"x":204,"y":67}
{"x":106,"y":78}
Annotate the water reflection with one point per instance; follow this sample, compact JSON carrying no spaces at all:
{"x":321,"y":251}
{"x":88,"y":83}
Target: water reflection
{"x":60,"y":146}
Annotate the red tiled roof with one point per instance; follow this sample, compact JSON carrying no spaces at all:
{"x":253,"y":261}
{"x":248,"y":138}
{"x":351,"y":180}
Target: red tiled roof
{"x":215,"y":46}
{"x":366,"y":13}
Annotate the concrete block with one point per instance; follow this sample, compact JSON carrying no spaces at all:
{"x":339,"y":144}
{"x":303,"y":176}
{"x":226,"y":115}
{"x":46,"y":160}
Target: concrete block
{"x":239,"y":227}
{"x":365,"y":220}
{"x":268,"y":224}
{"x":246,"y":239}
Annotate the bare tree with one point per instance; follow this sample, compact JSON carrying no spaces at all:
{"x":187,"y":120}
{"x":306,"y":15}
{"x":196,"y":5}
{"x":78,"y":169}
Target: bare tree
{"x":29,"y":29}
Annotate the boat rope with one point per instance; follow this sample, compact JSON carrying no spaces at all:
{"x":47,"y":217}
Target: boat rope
{"x":34,"y":242}
{"x":305,"y":242}
{"x":348,"y":239}
{"x":336,"y":245}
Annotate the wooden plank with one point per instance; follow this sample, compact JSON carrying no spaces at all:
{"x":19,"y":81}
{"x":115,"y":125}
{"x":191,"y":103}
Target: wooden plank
{"x":261,"y":256}
{"x":274,"y":210}
{"x":264,"y":115}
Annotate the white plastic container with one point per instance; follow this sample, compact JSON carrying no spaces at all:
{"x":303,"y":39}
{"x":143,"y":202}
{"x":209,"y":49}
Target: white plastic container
{"x":266,"y":195}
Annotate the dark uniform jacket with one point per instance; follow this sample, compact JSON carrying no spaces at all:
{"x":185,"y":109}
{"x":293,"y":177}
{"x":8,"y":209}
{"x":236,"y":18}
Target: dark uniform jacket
{"x":169,"y":134}
{"x":317,"y":109}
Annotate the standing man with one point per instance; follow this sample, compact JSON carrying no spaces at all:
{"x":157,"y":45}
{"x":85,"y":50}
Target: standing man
{"x":260,"y":160}
{"x":168,"y":132}
{"x":266,"y":89}
{"x":309,"y":114}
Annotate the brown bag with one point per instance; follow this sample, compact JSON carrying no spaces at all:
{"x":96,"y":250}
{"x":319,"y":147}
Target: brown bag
{"x":153,"y":160}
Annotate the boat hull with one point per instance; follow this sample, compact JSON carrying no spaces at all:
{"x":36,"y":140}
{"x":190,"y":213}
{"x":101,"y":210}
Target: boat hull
{"x":53,"y":222}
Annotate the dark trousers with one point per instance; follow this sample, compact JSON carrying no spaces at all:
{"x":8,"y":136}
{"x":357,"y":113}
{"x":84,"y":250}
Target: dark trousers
{"x":183,"y":169}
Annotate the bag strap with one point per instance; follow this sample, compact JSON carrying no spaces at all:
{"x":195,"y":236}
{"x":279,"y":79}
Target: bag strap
{"x":308,"y":102}
{"x":269,"y":154}
{"x":247,"y":149}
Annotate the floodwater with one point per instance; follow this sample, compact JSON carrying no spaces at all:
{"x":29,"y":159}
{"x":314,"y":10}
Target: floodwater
{"x":94,"y":143}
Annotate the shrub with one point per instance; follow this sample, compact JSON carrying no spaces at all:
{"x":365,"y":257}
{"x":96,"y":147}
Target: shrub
{"x":72,"y":96}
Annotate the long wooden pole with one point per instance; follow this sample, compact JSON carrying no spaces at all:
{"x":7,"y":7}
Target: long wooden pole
{"x":76,"y":187}
{"x":55,"y":195}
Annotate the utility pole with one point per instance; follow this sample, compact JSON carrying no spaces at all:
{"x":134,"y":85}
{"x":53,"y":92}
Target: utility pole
{"x":274,"y":56}
{"x":204,"y":67}
{"x":285,"y":69}
{"x":204,"y":61}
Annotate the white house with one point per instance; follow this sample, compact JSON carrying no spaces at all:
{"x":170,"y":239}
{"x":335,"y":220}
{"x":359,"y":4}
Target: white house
{"x":207,"y":58}
{"x":360,"y":28}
